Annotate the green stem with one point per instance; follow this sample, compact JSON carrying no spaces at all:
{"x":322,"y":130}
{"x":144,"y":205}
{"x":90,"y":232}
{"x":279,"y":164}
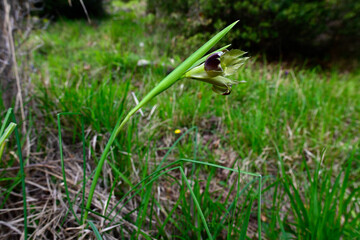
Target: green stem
{"x":101,"y":163}
{"x":22,"y":175}
{"x":196,"y":204}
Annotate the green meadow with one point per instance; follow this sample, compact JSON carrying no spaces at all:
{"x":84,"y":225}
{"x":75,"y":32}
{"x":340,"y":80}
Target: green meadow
{"x":191,"y":164}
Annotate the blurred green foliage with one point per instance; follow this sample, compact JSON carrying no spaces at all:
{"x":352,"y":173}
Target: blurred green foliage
{"x":315,"y":28}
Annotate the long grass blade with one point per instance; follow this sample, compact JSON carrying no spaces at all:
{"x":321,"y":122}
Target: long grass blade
{"x":7,"y":133}
{"x":22,"y":175}
{"x":6,"y":119}
{"x":245,"y":224}
{"x":196,"y":204}
{"x":259,"y":206}
{"x":84,"y":168}
{"x":63,"y":165}
{"x":96,"y":231}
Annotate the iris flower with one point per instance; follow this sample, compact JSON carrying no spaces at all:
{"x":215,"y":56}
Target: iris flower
{"x":217,"y":67}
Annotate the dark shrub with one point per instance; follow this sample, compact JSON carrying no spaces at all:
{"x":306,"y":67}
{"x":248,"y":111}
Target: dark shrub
{"x":57,"y":8}
{"x":278,"y":27}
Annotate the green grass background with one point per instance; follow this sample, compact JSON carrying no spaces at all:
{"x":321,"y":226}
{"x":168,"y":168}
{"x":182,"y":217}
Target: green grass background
{"x":297,"y":126}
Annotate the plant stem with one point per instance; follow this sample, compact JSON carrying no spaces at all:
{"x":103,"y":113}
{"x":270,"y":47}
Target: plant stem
{"x":167,"y":82}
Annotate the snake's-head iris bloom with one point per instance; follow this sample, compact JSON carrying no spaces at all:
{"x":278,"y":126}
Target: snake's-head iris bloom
{"x":217,"y":67}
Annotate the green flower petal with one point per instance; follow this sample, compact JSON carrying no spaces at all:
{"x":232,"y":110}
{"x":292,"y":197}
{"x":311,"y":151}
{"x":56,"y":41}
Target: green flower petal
{"x":231,"y":61}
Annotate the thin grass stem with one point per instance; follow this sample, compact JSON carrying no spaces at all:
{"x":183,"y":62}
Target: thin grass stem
{"x":22,"y":175}
{"x":63,"y":165}
{"x":196,"y":203}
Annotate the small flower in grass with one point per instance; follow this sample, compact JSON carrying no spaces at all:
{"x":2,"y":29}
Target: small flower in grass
{"x":217,"y":67}
{"x":177,"y":131}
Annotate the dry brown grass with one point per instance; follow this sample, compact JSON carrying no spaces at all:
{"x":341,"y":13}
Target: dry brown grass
{"x":48,"y":209}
